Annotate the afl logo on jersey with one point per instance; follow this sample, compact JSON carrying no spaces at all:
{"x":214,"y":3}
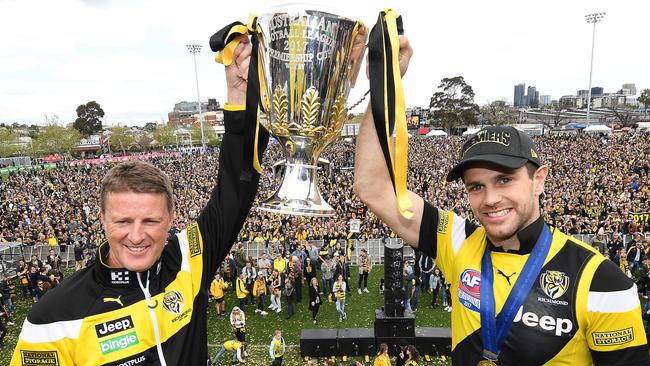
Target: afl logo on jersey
{"x":469,"y":289}
{"x":554,"y":283}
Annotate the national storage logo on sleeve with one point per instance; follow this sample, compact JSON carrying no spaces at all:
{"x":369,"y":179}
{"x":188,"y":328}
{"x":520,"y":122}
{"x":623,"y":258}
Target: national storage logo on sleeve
{"x":37,"y":358}
{"x":614,"y":337}
{"x":119,"y":343}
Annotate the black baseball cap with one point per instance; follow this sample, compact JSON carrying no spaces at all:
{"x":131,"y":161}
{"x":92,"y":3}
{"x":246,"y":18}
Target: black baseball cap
{"x":501,"y":145}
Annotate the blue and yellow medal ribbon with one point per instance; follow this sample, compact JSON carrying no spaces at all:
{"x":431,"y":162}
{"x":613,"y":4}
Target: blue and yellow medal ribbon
{"x":387,"y":102}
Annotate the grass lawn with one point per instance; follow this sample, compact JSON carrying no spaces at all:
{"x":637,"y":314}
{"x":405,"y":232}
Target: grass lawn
{"x":360,"y":310}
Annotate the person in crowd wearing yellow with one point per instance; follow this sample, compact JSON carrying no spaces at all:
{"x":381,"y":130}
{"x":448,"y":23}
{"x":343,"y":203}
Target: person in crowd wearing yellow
{"x":279,"y":263}
{"x":217,"y":290}
{"x":623,"y":263}
{"x":259,"y":291}
{"x":382,"y":358}
{"x":339,"y":293}
{"x":277,"y":348}
{"x":515,"y":279}
{"x":276,"y":287}
{"x":240,"y":290}
{"x":238,"y":324}
{"x":235,"y":347}
{"x":364,"y":271}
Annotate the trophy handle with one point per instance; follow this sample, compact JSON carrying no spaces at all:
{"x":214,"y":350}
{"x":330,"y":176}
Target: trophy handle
{"x":358,"y":49}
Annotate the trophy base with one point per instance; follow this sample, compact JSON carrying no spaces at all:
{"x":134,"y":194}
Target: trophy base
{"x":297,"y":207}
{"x":298,"y":194}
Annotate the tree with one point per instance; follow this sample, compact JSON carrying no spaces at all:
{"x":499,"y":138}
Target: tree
{"x":645,"y":98}
{"x":143,"y":140}
{"x":208,"y":131}
{"x":89,"y":118}
{"x":53,"y":139}
{"x":497,"y":113}
{"x":120,"y":139}
{"x":164,"y":135}
{"x":555,"y":116}
{"x":454,"y":105}
{"x":624,"y":115}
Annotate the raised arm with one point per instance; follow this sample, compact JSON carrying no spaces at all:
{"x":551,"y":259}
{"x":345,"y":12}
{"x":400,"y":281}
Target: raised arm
{"x":237,"y":181}
{"x":372,"y":182}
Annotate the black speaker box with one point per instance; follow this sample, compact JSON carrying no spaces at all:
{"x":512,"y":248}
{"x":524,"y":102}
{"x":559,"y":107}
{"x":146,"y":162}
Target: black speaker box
{"x":394,"y":309}
{"x":386,"y":326}
{"x":356,"y":342}
{"x":318,"y":342}
{"x":395,"y":344}
{"x":433,"y":341}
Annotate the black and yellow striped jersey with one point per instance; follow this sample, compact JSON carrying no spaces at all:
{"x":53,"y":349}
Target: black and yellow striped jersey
{"x":581,"y":310}
{"x":364,"y":263}
{"x":101,"y":316}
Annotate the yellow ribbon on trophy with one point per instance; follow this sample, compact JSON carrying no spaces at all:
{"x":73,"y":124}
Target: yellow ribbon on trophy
{"x":224,"y":42}
{"x":387,"y":102}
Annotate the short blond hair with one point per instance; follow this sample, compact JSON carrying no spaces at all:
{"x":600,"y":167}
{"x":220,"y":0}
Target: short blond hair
{"x":139,"y":177}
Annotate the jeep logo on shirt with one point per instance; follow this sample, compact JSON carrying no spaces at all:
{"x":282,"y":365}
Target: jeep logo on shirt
{"x":559,"y":326}
{"x":114,"y":326}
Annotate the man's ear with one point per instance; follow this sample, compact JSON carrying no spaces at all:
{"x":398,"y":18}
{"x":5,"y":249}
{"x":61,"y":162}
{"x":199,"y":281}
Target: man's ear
{"x":539,"y":178}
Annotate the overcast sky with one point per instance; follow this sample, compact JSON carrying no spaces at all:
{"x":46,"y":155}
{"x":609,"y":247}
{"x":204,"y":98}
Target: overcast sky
{"x":130,"y":55}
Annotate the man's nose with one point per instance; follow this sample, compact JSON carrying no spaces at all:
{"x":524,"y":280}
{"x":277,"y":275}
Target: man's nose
{"x":492,"y":196}
{"x":137,"y":233}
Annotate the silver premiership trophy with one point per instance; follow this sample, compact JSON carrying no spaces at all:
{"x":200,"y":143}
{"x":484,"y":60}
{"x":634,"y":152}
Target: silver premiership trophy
{"x":307,"y":70}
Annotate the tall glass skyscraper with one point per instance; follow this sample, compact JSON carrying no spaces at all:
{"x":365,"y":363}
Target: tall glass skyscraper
{"x":520,"y":93}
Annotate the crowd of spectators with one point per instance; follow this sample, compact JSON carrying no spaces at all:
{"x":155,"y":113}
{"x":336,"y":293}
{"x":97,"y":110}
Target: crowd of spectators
{"x":597,"y":183}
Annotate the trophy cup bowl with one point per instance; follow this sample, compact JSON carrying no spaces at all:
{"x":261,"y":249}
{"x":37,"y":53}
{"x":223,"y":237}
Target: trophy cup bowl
{"x":307,"y":68}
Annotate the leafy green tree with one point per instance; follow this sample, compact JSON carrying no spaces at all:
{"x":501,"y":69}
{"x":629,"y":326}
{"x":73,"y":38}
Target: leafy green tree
{"x":645,"y":98}
{"x":120,"y":139}
{"x":53,"y":139}
{"x":89,"y":119}
{"x":208,"y":131}
{"x":454,"y":106}
{"x":164,"y":135}
{"x":143,"y":141}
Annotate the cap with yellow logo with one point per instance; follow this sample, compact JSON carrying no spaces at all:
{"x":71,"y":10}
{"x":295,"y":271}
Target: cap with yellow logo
{"x":501,"y":145}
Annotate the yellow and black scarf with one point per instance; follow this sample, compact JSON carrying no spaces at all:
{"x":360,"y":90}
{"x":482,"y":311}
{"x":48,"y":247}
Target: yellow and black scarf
{"x":387,"y":101}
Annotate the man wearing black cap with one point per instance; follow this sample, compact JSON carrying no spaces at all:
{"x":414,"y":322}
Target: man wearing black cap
{"x":558,"y":300}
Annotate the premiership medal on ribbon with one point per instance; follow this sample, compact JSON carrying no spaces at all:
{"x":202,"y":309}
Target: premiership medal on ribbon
{"x":494,"y":329}
{"x":486,"y":363}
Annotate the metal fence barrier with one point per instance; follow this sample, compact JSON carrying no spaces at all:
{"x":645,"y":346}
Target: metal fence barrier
{"x":12,"y":252}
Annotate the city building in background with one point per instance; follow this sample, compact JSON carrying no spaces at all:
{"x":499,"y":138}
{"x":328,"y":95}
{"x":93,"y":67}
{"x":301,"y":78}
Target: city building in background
{"x":520,"y":95}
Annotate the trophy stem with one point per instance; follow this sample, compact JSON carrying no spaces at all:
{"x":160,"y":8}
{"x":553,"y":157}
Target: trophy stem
{"x":298,"y":194}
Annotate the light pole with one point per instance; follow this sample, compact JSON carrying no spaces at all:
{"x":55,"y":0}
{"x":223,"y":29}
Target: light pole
{"x":194,"y":49}
{"x":592,"y":18}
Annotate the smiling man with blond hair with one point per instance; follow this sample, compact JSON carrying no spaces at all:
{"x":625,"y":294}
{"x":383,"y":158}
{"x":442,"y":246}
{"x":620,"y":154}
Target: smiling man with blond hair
{"x":143,"y":302}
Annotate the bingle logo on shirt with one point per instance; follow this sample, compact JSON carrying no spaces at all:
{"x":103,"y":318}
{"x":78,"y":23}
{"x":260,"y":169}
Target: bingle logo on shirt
{"x":120,"y":277}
